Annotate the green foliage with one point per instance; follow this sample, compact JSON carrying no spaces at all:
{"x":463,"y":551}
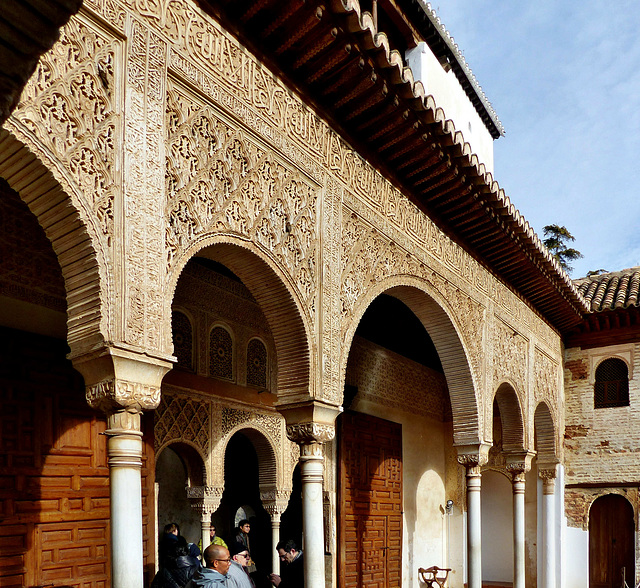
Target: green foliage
{"x":556,"y":239}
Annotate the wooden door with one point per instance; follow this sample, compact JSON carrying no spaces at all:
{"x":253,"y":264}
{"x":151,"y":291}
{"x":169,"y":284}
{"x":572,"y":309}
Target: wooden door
{"x":611,"y":542}
{"x":370,"y":505}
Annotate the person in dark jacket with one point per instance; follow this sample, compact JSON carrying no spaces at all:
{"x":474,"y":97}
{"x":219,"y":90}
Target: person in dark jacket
{"x":292,"y":573}
{"x":178,"y":567}
{"x":242,"y":536}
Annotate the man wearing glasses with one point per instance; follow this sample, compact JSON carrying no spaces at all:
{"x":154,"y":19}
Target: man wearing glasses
{"x":215,"y":574}
{"x":293,"y":571}
{"x":238,"y":576}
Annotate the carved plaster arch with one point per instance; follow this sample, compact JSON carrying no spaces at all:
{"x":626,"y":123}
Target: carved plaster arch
{"x":286,"y":315}
{"x":511,"y":415}
{"x":191,"y":456}
{"x":435,"y":313}
{"x":71,"y":227}
{"x":271,"y":474}
{"x":545,"y":436}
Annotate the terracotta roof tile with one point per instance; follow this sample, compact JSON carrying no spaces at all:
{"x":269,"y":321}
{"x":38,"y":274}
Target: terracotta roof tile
{"x":611,"y":290}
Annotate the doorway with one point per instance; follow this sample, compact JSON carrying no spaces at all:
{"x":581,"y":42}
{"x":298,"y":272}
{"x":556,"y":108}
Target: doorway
{"x":370,"y":530}
{"x":611,"y":542}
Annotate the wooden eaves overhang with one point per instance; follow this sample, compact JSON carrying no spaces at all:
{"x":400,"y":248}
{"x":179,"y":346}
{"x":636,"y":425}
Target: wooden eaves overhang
{"x":330,"y":52}
{"x":28,"y":28}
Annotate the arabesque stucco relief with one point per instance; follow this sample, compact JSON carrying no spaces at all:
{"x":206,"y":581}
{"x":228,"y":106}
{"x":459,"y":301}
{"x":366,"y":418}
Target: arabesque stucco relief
{"x":213,"y":143}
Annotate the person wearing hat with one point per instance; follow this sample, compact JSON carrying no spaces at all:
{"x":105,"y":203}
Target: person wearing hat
{"x":238,"y":576}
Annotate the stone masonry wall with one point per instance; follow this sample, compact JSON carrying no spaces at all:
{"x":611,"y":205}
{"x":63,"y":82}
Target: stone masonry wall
{"x":601,"y":445}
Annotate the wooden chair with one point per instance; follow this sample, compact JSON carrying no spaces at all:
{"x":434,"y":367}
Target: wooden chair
{"x":433,"y":576}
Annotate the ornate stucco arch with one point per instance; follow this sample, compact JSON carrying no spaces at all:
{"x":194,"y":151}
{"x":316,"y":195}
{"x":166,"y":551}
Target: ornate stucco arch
{"x":545,"y":433}
{"x":71,"y":226}
{"x":514,"y":436}
{"x":443,"y":326}
{"x":192,"y":457}
{"x":271,"y":468}
{"x":286,"y":315}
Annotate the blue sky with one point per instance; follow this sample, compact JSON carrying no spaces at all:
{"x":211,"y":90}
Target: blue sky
{"x":564,"y":79}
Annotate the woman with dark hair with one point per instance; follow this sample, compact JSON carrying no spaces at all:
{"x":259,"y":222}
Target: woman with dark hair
{"x":177,"y":566}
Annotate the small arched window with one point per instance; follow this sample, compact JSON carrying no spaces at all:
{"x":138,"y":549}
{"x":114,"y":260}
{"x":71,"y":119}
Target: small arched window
{"x":256,"y":364}
{"x":182,"y":339}
{"x":221,"y":354}
{"x":612,"y":384}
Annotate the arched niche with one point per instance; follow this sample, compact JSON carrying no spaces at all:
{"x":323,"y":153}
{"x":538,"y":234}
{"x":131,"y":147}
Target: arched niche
{"x":440,"y":321}
{"x":285,"y":314}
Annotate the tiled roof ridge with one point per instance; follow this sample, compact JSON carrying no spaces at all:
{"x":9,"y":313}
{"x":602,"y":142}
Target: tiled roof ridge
{"x":511,"y":220}
{"x":457,"y":53}
{"x":611,"y":290}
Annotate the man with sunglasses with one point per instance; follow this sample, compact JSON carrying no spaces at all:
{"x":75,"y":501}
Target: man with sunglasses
{"x":215,"y":574}
{"x":238,"y":576}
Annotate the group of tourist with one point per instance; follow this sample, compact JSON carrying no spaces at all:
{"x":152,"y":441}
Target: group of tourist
{"x":225,"y":566}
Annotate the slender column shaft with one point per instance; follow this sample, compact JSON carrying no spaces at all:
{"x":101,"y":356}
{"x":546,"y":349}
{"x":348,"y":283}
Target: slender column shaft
{"x":205,"y":524}
{"x":474,"y":532}
{"x":311,"y":471}
{"x":548,"y":534}
{"x":518,"y":531}
{"x":124,"y":449}
{"x":275,"y":538}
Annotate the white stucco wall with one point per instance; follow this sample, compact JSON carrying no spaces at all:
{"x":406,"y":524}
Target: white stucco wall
{"x":497,"y":528}
{"x":450,"y":96}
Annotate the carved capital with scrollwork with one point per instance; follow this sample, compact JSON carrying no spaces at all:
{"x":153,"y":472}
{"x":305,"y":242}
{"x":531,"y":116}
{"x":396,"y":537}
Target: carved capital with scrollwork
{"x":518,"y":464}
{"x":310,"y":423}
{"x":307,"y":433}
{"x":275,"y":502}
{"x":119,"y":379}
{"x":548,"y":477}
{"x":473,"y":457}
{"x":204,"y":499}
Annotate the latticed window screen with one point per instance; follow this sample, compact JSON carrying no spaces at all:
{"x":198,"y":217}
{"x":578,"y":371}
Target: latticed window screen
{"x":612,"y":384}
{"x":221,"y":354}
{"x":256,"y":364}
{"x":182,"y":339}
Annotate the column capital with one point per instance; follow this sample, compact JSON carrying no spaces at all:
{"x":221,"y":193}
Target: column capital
{"x":519,"y":463}
{"x":118,"y":379}
{"x":548,"y":477}
{"x":275,"y":502}
{"x":473,"y":457}
{"x":311,"y":422}
{"x":205,"y":499}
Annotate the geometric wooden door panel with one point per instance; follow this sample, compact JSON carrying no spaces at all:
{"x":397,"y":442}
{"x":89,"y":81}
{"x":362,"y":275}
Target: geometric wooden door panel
{"x":370,"y":499}
{"x":611,"y":542}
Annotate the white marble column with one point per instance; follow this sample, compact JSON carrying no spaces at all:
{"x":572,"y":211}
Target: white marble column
{"x":122,"y":383}
{"x":311,"y":472}
{"x":518,"y":464}
{"x":275,"y":538}
{"x":205,"y":524}
{"x":474,"y":530}
{"x":473,"y":458}
{"x":124,"y":450}
{"x":310,"y":425}
{"x":548,"y":528}
{"x":205,"y":500}
{"x":518,"y":530}
{"x":275,"y":502}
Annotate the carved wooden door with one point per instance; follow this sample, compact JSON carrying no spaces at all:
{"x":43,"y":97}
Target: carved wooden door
{"x":611,"y":542}
{"x":370,"y":505}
